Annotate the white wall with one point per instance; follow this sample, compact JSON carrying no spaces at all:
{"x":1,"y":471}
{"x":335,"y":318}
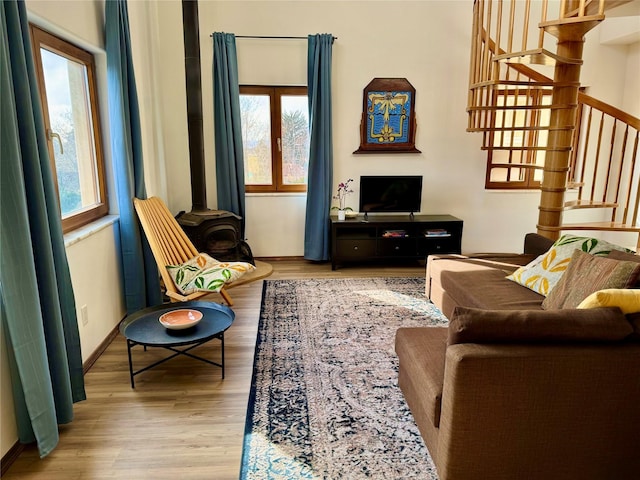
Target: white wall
{"x":158,"y":54}
{"x":428,"y":44}
{"x":95,"y":275}
{"x":146,"y":49}
{"x":81,"y":22}
{"x":631,"y":99}
{"x":603,"y":72}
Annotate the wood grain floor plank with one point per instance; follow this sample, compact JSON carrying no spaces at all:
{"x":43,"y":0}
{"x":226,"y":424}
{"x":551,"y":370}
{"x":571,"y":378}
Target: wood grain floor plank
{"x":182,"y":421}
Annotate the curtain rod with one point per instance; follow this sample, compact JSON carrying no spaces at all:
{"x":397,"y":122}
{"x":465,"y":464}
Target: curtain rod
{"x":274,"y":37}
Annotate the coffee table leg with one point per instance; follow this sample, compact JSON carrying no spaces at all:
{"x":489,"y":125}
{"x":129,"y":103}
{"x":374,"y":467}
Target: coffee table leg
{"x":222,"y":345}
{"x":129,"y":343}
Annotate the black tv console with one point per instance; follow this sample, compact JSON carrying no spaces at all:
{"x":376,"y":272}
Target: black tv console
{"x":397,"y":237}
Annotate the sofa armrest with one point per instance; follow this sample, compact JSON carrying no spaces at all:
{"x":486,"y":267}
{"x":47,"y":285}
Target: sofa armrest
{"x":558,"y":411}
{"x":536,"y":244}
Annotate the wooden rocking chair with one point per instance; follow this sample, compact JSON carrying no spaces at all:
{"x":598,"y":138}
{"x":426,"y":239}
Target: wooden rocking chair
{"x":169,"y":244}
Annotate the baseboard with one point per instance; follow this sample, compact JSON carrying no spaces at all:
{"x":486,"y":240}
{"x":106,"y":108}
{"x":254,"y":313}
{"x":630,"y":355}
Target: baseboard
{"x":10,"y":457}
{"x":100,"y":350}
{"x":268,"y":259}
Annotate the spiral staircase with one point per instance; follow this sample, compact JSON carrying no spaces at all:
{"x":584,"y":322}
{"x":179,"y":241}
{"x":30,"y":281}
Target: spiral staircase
{"x":586,"y":150}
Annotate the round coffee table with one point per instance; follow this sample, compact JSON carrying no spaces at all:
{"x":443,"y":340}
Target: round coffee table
{"x":144,"y":328}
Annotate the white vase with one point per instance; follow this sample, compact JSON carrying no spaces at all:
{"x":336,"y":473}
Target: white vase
{"x":341,"y":215}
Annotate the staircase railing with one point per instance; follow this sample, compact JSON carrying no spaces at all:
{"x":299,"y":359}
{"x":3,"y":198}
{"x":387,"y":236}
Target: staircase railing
{"x":508,"y":35}
{"x":509,"y":46}
{"x":604,"y":166}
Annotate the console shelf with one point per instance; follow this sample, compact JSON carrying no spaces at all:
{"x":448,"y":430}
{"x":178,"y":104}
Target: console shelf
{"x":397,"y":237}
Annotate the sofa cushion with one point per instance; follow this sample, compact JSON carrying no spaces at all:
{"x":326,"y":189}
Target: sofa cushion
{"x":626,"y":299}
{"x":507,"y":262}
{"x":536,"y":244}
{"x":471,"y":325}
{"x":421,"y":352}
{"x":487,"y":288}
{"x":634,"y":319}
{"x":544,"y":272}
{"x":587,"y":274}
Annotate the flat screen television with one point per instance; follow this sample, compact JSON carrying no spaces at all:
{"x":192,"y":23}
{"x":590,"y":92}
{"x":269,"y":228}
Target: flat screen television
{"x":390,"y":193}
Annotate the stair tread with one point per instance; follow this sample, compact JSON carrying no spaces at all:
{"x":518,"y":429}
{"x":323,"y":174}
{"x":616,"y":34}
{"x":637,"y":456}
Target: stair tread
{"x":527,"y":149}
{"x":538,"y":56}
{"x":571,"y":20}
{"x":515,"y":83}
{"x":556,"y":106}
{"x":517,"y":165}
{"x":573,"y":28}
{"x":612,"y":226}
{"x":520,"y":129}
{"x":572,"y":204}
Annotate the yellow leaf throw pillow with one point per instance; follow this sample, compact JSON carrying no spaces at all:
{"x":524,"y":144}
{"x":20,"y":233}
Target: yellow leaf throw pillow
{"x":626,"y":299}
{"x":542,"y":274}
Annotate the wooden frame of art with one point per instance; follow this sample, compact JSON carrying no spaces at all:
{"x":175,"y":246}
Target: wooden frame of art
{"x":388,"y":123}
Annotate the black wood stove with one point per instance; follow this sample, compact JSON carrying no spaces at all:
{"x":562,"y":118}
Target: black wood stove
{"x":216,"y":232}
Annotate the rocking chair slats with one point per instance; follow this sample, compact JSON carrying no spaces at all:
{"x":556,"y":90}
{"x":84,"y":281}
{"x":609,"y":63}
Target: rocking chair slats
{"x":169,"y":244}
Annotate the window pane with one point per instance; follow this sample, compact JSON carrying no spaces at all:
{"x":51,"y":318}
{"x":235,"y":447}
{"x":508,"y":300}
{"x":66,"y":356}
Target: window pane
{"x":520,"y":138}
{"x":255,"y":112}
{"x":507,"y":174}
{"x":295,"y":139}
{"x":543,"y":136}
{"x":71,"y":131}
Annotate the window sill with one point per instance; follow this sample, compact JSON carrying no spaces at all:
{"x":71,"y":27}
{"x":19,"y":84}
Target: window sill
{"x":512,"y":190}
{"x":88,"y":230}
{"x":276,"y":194}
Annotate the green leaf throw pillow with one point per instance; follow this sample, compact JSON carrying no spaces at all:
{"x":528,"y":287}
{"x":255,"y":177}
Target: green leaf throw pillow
{"x":206,"y":274}
{"x":542,"y":274}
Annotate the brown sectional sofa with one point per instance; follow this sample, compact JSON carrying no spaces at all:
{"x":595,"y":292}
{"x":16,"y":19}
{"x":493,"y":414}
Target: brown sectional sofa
{"x":479,"y":280}
{"x":513,"y":392}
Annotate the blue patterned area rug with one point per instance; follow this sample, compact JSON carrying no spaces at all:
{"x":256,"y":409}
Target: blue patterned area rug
{"x":325,"y":401}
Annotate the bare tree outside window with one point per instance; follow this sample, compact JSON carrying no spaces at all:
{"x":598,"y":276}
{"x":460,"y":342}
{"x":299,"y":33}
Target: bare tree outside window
{"x":295,"y":140}
{"x":255,"y":117}
{"x":275,"y":137}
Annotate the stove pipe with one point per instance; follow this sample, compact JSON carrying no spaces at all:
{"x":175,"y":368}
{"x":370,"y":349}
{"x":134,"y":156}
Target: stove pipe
{"x":194,"y":103}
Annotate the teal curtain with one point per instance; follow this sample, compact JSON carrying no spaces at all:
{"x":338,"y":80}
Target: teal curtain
{"x":140,"y":274}
{"x":228,"y":129}
{"x":38,"y":309}
{"x":320,"y":179}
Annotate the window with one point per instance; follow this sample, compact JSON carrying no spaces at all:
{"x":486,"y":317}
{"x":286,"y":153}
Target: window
{"x":519,"y":136}
{"x":275,"y":138}
{"x":67,"y":84}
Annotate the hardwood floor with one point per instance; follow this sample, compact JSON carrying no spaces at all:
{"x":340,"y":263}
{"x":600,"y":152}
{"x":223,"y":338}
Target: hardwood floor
{"x":182,"y":421}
